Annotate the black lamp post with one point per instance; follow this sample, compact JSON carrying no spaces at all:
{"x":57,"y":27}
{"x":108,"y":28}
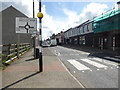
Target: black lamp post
{"x":40,"y":16}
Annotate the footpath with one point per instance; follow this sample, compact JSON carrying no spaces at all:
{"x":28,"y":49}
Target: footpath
{"x":23,"y":73}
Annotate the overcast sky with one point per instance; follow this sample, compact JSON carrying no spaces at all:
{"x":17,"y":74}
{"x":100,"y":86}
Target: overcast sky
{"x":62,"y":15}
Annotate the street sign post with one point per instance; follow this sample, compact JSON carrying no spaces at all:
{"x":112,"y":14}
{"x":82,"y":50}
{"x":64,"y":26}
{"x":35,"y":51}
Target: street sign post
{"x":26,"y":25}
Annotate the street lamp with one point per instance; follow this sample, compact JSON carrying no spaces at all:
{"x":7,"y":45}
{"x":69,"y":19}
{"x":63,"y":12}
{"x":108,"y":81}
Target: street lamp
{"x":40,"y":16}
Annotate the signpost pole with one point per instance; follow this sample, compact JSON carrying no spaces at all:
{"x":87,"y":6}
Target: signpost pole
{"x":18,"y":45}
{"x":24,"y":25}
{"x":40,"y":42}
{"x":34,"y":38}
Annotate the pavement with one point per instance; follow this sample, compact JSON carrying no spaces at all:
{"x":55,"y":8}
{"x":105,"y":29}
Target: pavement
{"x":23,"y":73}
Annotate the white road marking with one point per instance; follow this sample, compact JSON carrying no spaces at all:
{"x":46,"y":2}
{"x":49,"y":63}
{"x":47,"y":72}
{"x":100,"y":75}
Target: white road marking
{"x":105,"y":68}
{"x":117,"y":66}
{"x":81,"y":52}
{"x":98,"y":69}
{"x":97,"y":59}
{"x":73,"y":71}
{"x":94,"y":63}
{"x":83,"y":71}
{"x":78,"y":65}
{"x":72,"y":75}
{"x":105,"y":61}
{"x":112,"y":58}
{"x":58,"y":53}
{"x":91,"y":70}
{"x":84,"y":52}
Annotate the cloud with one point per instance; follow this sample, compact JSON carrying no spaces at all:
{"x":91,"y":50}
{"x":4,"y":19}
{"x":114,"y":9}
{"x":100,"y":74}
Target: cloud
{"x":91,"y":10}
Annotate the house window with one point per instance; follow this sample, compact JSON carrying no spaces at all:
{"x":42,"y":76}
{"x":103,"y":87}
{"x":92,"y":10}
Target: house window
{"x":83,"y":39}
{"x":83,"y":29}
{"x":88,"y":27}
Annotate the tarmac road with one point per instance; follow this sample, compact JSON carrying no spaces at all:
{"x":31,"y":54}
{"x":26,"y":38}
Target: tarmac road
{"x":91,"y":71}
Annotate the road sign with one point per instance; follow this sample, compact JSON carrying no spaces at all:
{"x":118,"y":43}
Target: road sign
{"x":26,"y":25}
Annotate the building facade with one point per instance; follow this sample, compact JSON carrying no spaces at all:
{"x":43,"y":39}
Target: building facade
{"x":81,"y":35}
{"x":107,"y":30}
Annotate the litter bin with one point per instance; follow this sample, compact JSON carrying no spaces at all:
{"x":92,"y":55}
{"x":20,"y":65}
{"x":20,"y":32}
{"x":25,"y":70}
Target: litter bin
{"x":37,"y":53}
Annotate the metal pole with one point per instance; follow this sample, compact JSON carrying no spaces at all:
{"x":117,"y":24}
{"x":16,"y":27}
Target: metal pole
{"x":34,"y":38}
{"x":33,"y":10}
{"x":18,"y":45}
{"x":40,"y":42}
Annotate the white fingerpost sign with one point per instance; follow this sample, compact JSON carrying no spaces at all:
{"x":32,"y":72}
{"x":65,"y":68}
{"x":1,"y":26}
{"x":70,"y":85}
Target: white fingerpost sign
{"x":26,"y":25}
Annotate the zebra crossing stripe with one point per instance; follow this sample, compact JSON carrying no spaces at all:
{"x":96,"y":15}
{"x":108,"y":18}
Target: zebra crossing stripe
{"x":97,"y":59}
{"x":78,"y":65}
{"x":105,"y":61}
{"x":98,"y":65}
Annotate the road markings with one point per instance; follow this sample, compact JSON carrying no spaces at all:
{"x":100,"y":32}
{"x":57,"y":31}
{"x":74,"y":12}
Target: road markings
{"x":74,"y":72}
{"x":78,"y":65}
{"x":81,"y":52}
{"x":104,"y":61}
{"x":83,"y":71}
{"x":97,"y":59}
{"x":105,"y":68}
{"x":72,"y":75}
{"x":94,"y":63}
{"x":117,"y":66}
{"x":84,"y":53}
{"x":112,"y":58}
{"x":98,"y":69}
{"x":91,"y":70}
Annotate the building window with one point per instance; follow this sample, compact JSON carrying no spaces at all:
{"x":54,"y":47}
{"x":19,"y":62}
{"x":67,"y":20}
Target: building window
{"x":83,"y":29}
{"x":79,"y":30}
{"x":88,"y":27}
{"x":83,"y":39}
{"x":80,"y":40}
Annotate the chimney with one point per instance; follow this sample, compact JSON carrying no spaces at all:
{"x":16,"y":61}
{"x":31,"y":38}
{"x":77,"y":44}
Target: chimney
{"x":118,"y":3}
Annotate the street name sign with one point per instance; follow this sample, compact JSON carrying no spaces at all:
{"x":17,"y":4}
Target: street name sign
{"x":26,"y":25}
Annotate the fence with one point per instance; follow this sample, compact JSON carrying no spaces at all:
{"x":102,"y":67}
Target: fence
{"x":12,"y":51}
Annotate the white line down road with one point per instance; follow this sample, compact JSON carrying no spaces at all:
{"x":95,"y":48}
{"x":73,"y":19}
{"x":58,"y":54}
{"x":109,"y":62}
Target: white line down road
{"x":94,"y":63}
{"x":78,"y":65}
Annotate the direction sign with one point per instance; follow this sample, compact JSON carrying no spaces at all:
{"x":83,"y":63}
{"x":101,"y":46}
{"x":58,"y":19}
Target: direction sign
{"x":26,"y":25}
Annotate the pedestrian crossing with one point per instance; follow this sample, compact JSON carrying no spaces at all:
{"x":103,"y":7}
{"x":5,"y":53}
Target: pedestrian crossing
{"x":104,"y":61}
{"x":88,"y":64}
{"x":78,"y":65}
{"x":98,"y":65}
